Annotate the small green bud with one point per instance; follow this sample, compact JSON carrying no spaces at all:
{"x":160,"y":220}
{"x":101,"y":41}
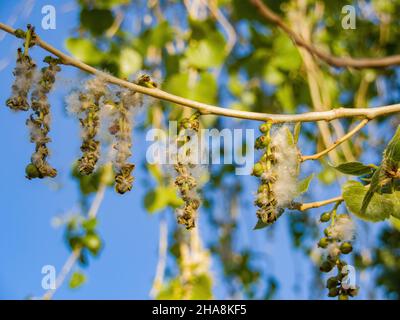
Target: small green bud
{"x":325,"y":217}
{"x":326,"y":266}
{"x":263,"y":188}
{"x":327,"y":232}
{"x":323,"y":242}
{"x":75,"y":242}
{"x":258,"y":169}
{"x":19,"y":33}
{"x":261,"y":142}
{"x":92,"y":242}
{"x":346,"y":247}
{"x":32,"y":172}
{"x":333,"y":292}
{"x":332,"y":282}
{"x":265,"y":127}
{"x":343,"y":297}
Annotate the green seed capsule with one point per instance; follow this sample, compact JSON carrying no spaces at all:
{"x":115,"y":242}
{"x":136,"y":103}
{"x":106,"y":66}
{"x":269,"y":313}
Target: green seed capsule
{"x":343,"y":297}
{"x":19,"y":33}
{"x":258,"y":169}
{"x":325,"y":217}
{"x":332,"y":282}
{"x":265,"y":127}
{"x":346,"y":247}
{"x":327,"y":232}
{"x":31,"y":171}
{"x":323,"y":242}
{"x":326,"y":266}
{"x":333,"y":292}
{"x":92,"y":242}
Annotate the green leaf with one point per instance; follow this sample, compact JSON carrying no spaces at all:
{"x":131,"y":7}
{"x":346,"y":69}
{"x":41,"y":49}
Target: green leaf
{"x":286,"y":55}
{"x":155,"y":172}
{"x":206,"y":45}
{"x":353,"y":168}
{"x":155,"y":200}
{"x":235,"y":86}
{"x":201,"y":287}
{"x":90,"y":224}
{"x":97,"y":21}
{"x":392,"y":151}
{"x":289,"y":136}
{"x":84,"y":50}
{"x":204,"y":89}
{"x":77,"y":280}
{"x":272,"y":75}
{"x":380,"y":206}
{"x":305,"y":184}
{"x":284,"y":94}
{"x":130,"y":61}
{"x":158,"y":199}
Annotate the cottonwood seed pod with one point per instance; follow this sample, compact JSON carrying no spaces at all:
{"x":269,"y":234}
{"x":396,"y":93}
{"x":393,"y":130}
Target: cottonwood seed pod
{"x":185,"y":182}
{"x":90,"y":124}
{"x":121,"y":128}
{"x":24,"y":74}
{"x":39,"y":121}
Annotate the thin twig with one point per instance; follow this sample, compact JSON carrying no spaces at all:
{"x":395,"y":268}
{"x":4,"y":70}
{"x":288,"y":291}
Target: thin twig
{"x":317,"y":204}
{"x":162,"y":259}
{"x":203,"y":108}
{"x":347,"y":136}
{"x":335,"y":61}
{"x":68,"y":265}
{"x":226,"y":25}
{"x":74,"y":256}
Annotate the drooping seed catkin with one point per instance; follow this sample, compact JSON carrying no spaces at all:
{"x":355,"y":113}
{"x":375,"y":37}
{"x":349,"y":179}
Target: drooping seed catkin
{"x":24,"y":75}
{"x":40,"y":121}
{"x":121,"y":129}
{"x":185,"y":181}
{"x":90,"y":124}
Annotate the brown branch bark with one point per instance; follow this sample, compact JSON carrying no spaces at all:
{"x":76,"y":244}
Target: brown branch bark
{"x":203,"y":108}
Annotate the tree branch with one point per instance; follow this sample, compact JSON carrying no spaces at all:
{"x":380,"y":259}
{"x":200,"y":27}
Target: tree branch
{"x":335,"y":61}
{"x":162,"y":259}
{"x":317,"y":204}
{"x":203,"y":108}
{"x":347,"y":136}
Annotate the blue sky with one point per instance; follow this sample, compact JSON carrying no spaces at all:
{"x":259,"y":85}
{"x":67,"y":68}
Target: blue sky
{"x":126,"y":266}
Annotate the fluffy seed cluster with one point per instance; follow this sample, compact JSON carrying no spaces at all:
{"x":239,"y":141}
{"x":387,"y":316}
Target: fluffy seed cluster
{"x":39,"y":121}
{"x":343,"y":229}
{"x":119,"y":107}
{"x":89,"y":101}
{"x":185,"y":181}
{"x":27,"y":79}
{"x":337,"y":241}
{"x":278,"y":172}
{"x":24,"y":72}
{"x":121,"y":129}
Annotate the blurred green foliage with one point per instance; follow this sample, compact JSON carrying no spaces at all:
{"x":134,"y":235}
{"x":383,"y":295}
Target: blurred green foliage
{"x":263,"y":72}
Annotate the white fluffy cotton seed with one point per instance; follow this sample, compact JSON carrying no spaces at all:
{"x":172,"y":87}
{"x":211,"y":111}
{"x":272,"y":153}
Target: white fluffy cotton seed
{"x":73,"y":103}
{"x":96,"y":86}
{"x":22,"y":81}
{"x":333,"y":249}
{"x":285,"y":169}
{"x":343,"y":228}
